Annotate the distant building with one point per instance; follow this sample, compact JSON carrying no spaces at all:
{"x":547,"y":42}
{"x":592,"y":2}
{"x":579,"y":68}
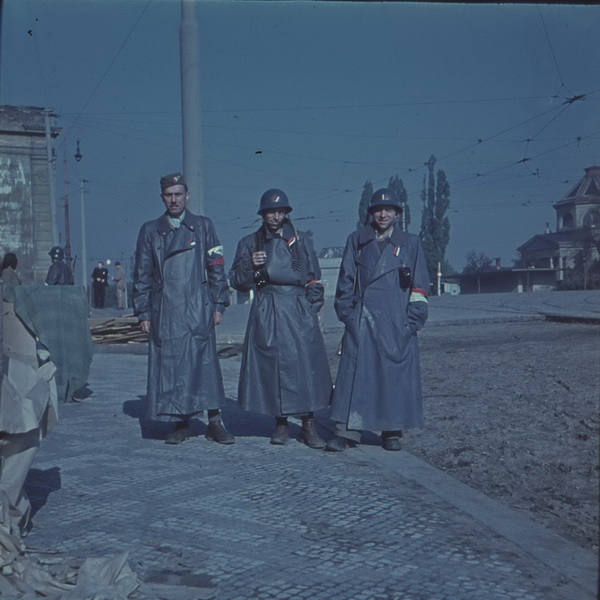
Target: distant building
{"x":498,"y":279}
{"x":577,"y":228}
{"x":330,"y":260}
{"x":547,"y":257}
{"x":26,"y":216}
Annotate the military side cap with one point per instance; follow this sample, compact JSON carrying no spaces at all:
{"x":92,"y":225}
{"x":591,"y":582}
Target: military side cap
{"x":172,"y":179}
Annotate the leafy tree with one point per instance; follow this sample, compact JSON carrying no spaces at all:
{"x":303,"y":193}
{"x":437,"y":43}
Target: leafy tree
{"x":435,"y":225}
{"x":477,"y":262}
{"x":585,"y":273}
{"x":363,"y":207}
{"x":519,"y":263}
{"x":397,"y":185}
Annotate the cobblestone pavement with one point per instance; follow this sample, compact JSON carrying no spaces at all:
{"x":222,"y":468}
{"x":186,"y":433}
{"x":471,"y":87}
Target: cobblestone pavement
{"x":255,"y":521}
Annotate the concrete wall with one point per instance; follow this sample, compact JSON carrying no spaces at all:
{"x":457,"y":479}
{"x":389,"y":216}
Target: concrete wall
{"x":509,"y":281}
{"x":26,"y":224}
{"x":330,"y":267}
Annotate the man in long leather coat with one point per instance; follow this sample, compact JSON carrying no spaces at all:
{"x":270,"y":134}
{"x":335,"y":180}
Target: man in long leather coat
{"x":381,"y":298}
{"x":180,"y":295}
{"x":284,"y":365}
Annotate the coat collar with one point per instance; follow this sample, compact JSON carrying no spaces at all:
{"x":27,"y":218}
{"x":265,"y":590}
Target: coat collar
{"x":367,"y":234}
{"x":164,"y":224}
{"x":287,"y":232}
{"x":381,"y":263}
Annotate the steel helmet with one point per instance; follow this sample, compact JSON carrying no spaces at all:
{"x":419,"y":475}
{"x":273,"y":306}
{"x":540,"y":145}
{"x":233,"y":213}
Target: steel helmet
{"x":385,"y":197}
{"x":57,"y":252}
{"x":272,"y":199}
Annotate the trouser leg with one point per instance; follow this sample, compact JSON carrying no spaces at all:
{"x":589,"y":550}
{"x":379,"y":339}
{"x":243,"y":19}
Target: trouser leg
{"x":281,"y":435}
{"x":349,"y":434}
{"x":214,"y":414}
{"x":216,"y":431}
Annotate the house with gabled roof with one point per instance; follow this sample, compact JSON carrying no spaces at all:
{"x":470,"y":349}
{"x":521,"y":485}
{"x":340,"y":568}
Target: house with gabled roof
{"x":577,"y":228}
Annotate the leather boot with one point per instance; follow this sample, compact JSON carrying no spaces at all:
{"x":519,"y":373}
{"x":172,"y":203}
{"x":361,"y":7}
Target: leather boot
{"x":281,"y":435}
{"x":216,"y":432}
{"x":180,"y":434}
{"x":339,"y":444}
{"x":391,"y":440}
{"x":310,"y":436}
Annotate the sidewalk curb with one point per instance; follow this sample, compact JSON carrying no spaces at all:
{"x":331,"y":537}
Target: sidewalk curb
{"x":578,"y":565}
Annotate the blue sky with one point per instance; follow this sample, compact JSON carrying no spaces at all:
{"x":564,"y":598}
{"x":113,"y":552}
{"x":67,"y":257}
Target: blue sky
{"x":315,"y":98}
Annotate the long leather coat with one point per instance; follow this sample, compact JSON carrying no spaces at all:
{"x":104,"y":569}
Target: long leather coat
{"x":179,"y":282}
{"x":284,"y":364}
{"x":378,"y":384}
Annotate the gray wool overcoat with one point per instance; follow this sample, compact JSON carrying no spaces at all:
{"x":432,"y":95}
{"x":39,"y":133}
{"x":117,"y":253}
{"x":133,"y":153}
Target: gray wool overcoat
{"x":179,"y":282}
{"x":284,"y":364}
{"x":378,"y":385}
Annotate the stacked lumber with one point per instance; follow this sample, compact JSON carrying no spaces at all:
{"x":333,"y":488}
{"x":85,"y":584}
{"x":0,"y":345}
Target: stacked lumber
{"x":117,"y":330}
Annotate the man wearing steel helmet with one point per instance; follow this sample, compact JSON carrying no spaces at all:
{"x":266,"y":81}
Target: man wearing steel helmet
{"x":180,"y":295}
{"x":58,"y":273}
{"x":284,"y":365}
{"x":381,"y":298}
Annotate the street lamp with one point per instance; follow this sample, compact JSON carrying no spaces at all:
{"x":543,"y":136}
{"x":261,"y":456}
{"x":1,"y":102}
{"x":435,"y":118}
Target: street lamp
{"x":78,"y":156}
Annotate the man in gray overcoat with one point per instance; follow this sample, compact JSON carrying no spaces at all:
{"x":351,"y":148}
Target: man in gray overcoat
{"x":180,"y":295}
{"x":381,"y":298}
{"x":121,"y":285}
{"x":284,"y":365}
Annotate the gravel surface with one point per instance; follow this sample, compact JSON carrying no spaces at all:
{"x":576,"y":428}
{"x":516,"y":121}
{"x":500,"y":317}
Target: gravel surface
{"x":512,"y":411}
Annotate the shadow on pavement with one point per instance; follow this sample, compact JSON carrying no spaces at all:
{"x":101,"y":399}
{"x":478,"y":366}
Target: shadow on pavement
{"x":238,"y":422}
{"x":39,"y":484}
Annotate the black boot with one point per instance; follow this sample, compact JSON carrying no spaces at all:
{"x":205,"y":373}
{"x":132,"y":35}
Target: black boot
{"x":181,"y":433}
{"x":339,"y":444}
{"x":281,"y":435}
{"x":309,"y":435}
{"x":391,"y":440}
{"x":216,"y":432}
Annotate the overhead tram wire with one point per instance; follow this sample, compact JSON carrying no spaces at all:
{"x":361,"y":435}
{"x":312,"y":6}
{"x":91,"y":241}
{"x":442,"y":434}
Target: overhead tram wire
{"x":567,"y":102}
{"x":42,"y":70}
{"x":552,"y":51}
{"x":110,"y":65}
{"x":566,"y":105}
{"x":409,"y":170}
{"x":119,"y":132}
{"x":386,"y":105}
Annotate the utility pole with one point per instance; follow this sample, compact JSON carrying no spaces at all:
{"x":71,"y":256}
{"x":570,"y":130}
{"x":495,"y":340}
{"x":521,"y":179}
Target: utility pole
{"x":83,"y":243}
{"x":191,"y":111}
{"x":48,"y":115}
{"x":67,"y":226}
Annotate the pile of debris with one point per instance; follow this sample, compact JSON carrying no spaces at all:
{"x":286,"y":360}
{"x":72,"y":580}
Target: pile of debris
{"x":117,"y":330}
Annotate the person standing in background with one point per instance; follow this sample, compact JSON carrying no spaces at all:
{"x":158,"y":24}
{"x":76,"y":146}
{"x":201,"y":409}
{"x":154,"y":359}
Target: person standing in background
{"x":121,"y":285}
{"x":8,"y":271}
{"x":99,"y":283}
{"x":58,"y":273}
